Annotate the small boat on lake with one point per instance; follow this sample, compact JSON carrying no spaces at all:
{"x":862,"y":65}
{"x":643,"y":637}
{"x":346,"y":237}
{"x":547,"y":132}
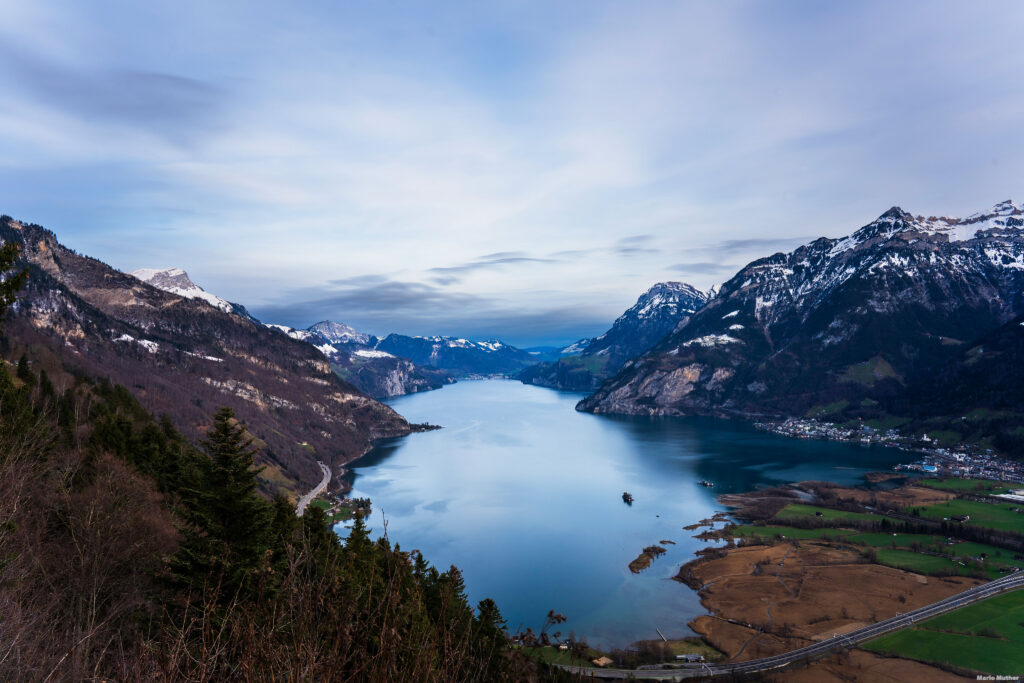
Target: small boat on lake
{"x":627,"y":498}
{"x":705,"y":482}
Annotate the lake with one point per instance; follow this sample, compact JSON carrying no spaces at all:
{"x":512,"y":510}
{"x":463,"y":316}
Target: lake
{"x":524,"y":495}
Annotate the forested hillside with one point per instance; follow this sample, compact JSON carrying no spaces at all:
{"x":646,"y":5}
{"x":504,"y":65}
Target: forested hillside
{"x":128,"y":553}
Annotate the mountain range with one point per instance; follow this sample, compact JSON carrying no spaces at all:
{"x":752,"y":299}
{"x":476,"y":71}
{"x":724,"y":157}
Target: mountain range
{"x":583,"y":365}
{"x":845,"y":329}
{"x":185,"y":355}
{"x":461,"y":357}
{"x":380,"y":367}
{"x":353,"y":357}
{"x":911,"y":322}
{"x":399,"y":364}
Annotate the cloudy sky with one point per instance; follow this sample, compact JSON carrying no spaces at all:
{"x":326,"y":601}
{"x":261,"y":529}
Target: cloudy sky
{"x":521,"y":170}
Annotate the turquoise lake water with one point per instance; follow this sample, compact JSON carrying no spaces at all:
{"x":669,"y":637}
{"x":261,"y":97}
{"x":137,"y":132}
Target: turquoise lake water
{"x":524,"y":495}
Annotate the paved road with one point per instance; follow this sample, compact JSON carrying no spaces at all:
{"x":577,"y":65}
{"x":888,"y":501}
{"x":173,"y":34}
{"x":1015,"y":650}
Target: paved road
{"x":985,"y":590}
{"x":304,"y":501}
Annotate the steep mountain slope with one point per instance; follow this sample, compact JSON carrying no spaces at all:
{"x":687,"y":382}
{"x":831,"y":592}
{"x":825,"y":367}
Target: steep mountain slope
{"x":663,"y":308}
{"x":978,"y":397}
{"x":836,"y":325}
{"x":353,"y":357}
{"x":185,"y":357}
{"x":351,"y":354}
{"x":460,"y":357}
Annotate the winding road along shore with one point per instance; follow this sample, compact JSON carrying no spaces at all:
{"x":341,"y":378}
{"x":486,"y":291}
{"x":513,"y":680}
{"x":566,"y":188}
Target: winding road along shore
{"x":853,"y":638}
{"x":304,"y":501}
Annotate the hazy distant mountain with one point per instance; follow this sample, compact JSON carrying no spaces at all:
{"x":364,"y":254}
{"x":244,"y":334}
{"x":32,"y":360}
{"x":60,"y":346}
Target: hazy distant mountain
{"x":185,"y":354}
{"x":354,"y":357}
{"x":458,"y":356}
{"x":338,"y":333}
{"x":836,"y":327}
{"x":586,"y":363}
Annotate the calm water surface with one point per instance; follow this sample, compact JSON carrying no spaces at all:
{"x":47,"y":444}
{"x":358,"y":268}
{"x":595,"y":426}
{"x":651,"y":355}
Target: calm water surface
{"x":524,"y":495}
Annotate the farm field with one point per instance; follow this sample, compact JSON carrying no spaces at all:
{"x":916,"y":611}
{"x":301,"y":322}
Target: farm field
{"x":914,"y":552}
{"x":917,"y":562}
{"x":799,"y":510}
{"x":965,"y":485}
{"x":986,"y":637}
{"x":771,"y":531}
{"x":1000,"y":516}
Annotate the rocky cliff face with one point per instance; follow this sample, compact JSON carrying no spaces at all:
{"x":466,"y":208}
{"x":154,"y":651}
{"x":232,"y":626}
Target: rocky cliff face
{"x":383,"y":375}
{"x":836,"y":324}
{"x":186,"y":356}
{"x":659,"y":311}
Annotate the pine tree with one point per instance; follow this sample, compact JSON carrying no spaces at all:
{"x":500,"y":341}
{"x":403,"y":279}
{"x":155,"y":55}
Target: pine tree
{"x":491,"y":640}
{"x":24,"y":372}
{"x":10,"y":282}
{"x":227,"y":535}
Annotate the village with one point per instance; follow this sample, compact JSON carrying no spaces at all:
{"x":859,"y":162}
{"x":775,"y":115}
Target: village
{"x":964,"y":462}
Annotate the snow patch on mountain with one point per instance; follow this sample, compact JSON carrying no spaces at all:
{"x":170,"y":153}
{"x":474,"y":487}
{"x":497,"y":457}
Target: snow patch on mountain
{"x":372,"y":353}
{"x":578,"y":346}
{"x":150,"y":346}
{"x":199,"y":355}
{"x":713,"y":340}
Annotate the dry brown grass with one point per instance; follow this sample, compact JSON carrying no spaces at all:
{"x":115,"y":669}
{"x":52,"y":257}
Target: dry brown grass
{"x":817,"y":590}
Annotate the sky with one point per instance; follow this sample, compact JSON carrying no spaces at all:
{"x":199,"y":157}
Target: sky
{"x":513,"y":170}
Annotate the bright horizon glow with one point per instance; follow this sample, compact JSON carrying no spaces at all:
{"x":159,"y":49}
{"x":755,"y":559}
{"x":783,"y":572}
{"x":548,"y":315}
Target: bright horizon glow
{"x":512,"y":170}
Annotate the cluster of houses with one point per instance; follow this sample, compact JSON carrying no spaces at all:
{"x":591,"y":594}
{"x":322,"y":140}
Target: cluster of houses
{"x":804,"y":428}
{"x":937,"y":460}
{"x":947,"y":463}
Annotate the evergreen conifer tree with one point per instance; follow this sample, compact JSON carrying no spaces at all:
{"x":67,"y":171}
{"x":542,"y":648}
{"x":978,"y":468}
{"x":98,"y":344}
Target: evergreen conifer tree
{"x":10,"y":282}
{"x":24,"y":372}
{"x":227,"y":535}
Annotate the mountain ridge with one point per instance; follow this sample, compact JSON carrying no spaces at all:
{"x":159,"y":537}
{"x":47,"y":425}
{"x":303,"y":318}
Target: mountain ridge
{"x":185,"y":357}
{"x":836,"y":321}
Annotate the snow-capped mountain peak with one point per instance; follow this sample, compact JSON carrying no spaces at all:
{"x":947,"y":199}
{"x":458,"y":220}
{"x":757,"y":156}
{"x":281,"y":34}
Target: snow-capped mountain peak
{"x":678,"y":296}
{"x":1006,"y":215}
{"x":339,"y":333}
{"x":176,"y":281}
